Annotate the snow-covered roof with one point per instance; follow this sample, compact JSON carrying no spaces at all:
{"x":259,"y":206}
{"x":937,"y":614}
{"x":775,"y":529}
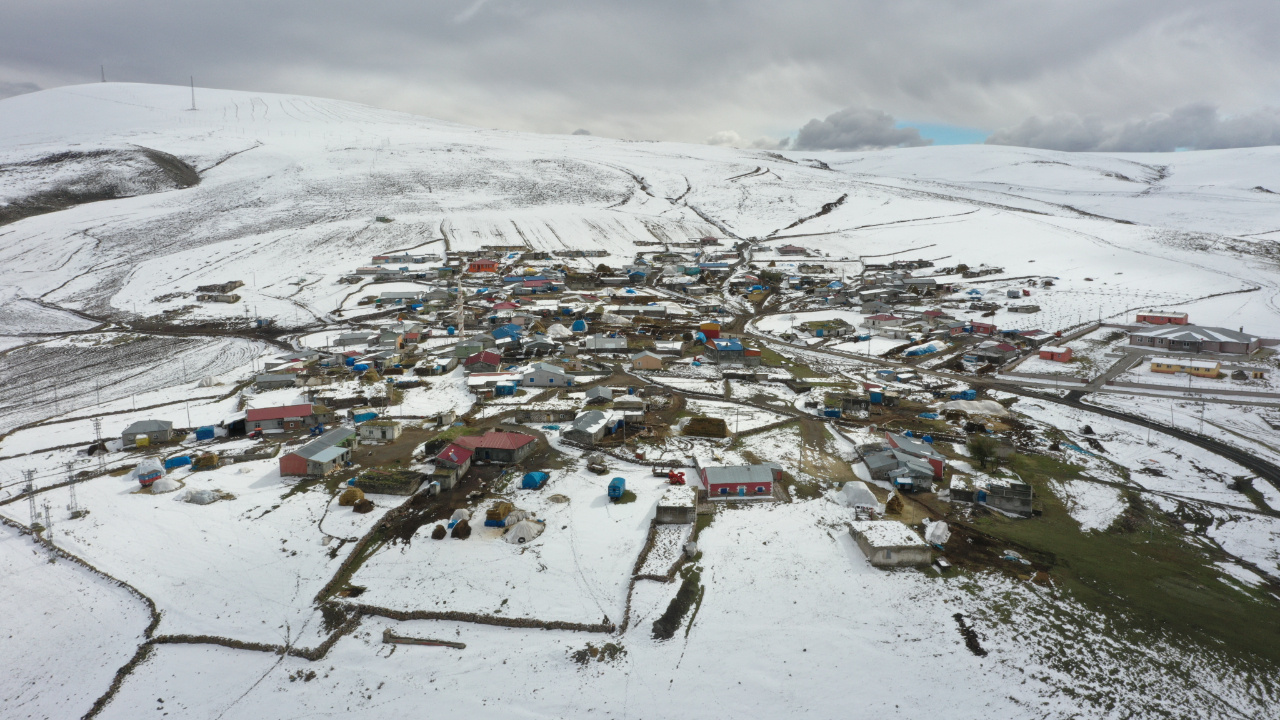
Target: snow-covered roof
{"x":887,"y":534}
{"x":677,"y":496}
{"x":1193,"y":333}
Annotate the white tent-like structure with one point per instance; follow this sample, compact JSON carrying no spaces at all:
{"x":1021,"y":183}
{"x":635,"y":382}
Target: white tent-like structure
{"x":460,"y":514}
{"x":857,"y":495}
{"x":523,"y":532}
{"x":558,"y":331}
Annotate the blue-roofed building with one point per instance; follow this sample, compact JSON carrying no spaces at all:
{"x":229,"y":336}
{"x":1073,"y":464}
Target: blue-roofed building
{"x":731,"y":351}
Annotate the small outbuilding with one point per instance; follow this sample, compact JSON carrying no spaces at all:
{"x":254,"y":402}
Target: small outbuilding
{"x":888,"y":543}
{"x":677,"y":506}
{"x":380,"y":431}
{"x":1057,"y":353}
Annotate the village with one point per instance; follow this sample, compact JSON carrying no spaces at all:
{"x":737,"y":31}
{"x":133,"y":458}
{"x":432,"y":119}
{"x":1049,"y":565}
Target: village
{"x":547,"y":402}
{"x":449,"y":420}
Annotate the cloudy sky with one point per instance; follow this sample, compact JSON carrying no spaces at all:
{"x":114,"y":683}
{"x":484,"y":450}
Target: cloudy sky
{"x":840,"y":74}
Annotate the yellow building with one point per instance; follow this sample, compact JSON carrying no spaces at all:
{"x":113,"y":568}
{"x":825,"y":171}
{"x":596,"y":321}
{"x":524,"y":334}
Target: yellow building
{"x":1199,"y":368}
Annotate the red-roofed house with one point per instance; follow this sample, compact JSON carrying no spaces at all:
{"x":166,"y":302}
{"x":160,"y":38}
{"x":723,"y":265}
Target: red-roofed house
{"x":506,"y":306}
{"x":481,"y":265}
{"x":483,"y":361}
{"x":451,"y":464}
{"x":284,"y":417}
{"x":978,"y":328}
{"x":883,"y":320}
{"x":498,"y":446}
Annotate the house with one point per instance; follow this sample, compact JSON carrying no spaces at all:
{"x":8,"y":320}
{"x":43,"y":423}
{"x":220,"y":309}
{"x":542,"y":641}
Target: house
{"x":883,"y":320}
{"x":498,"y":446}
{"x":451,"y":464}
{"x":917,"y":448}
{"x":981,"y":328}
{"x":546,"y":375}
{"x":1197,"y":339}
{"x":903,"y":470}
{"x":669,"y":347}
{"x":874,"y":307}
{"x":604,"y":344}
{"x":792,"y":250}
{"x":991,"y":352}
{"x":218,"y":297}
{"x":274,"y":381}
{"x":598,"y":394}
{"x":398,"y":298}
{"x":826,"y":328}
{"x":380,"y":430}
{"x":591,"y":426}
{"x":1027,"y":309}
{"x":677,"y":506}
{"x":1156,"y":317}
{"x":281,"y":417}
{"x":321,"y":456}
{"x":646,"y":360}
{"x":482,"y":362}
{"x":732,"y":352}
{"x":888,"y":543}
{"x":739,"y":480}
{"x":1057,"y":353}
{"x":1199,"y":368}
{"x":482,"y":265}
{"x":147,"y":432}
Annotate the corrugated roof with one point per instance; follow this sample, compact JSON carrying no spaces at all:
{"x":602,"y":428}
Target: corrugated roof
{"x":1193,"y":333}
{"x":739,"y":474}
{"x":455,"y":454}
{"x":495,"y":440}
{"x":278,"y":413}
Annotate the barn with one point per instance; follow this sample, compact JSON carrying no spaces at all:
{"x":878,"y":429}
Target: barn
{"x":283,"y":417}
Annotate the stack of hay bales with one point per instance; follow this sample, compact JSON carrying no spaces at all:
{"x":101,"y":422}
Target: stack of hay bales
{"x":706,"y":427}
{"x":439,"y":533}
{"x":462,"y":530}
{"x":350,"y":496}
{"x":363,"y":506}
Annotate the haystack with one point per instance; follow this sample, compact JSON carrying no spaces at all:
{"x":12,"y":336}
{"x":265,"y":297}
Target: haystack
{"x":462,"y":530}
{"x":350,"y":496}
{"x":439,"y":533}
{"x":363,"y":506}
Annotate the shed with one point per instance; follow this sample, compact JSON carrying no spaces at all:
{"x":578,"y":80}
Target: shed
{"x":888,"y":543}
{"x":381,"y":430}
{"x":153,"y":430}
{"x":321,"y":456}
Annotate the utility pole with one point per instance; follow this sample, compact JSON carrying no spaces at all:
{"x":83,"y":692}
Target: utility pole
{"x":193,"y":92}
{"x":103,"y":69}
{"x":74,"y":505}
{"x":99,"y":449}
{"x":48,"y":521}
{"x":30,"y":490}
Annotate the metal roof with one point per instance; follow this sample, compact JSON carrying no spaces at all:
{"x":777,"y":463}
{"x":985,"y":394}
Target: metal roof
{"x":739,"y":474}
{"x":1193,"y":333}
{"x":148,"y":426}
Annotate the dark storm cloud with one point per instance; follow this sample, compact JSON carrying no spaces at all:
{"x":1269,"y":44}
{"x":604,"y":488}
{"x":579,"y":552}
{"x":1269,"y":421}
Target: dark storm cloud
{"x":1199,"y":126}
{"x":857,"y":129}
{"x":675,"y":69}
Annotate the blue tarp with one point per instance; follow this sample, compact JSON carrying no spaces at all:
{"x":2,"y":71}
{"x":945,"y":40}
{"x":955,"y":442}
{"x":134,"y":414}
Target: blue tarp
{"x":579,"y":326}
{"x":928,"y":415}
{"x":180,"y":461}
{"x":360,"y":367}
{"x":364,"y":417}
{"x":534,"y":480}
{"x":204,"y":433}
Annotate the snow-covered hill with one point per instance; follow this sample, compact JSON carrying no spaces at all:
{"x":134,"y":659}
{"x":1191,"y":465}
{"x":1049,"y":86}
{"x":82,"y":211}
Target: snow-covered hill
{"x":289,"y":188}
